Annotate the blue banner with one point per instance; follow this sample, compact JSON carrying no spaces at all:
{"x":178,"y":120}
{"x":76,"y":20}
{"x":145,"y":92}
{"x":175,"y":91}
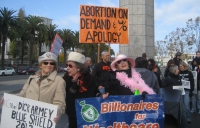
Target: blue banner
{"x":127,"y":111}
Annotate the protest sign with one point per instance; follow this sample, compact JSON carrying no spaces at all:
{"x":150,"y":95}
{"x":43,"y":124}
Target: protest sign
{"x":57,"y":43}
{"x":195,"y":81}
{"x":127,"y":111}
{"x":103,"y":25}
{"x":19,"y":112}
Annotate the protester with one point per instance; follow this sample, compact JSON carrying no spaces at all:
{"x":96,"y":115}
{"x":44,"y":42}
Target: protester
{"x":144,"y":56}
{"x":46,"y":86}
{"x":103,"y":73}
{"x":198,"y":88}
{"x":169,"y":63}
{"x":88,"y":63}
{"x":197,"y":59}
{"x":194,"y":98}
{"x":154,"y":69}
{"x":148,"y":76}
{"x":187,"y":75}
{"x":79,"y":84}
{"x":174,"y":80}
{"x":129,"y":80}
{"x":177,"y":58}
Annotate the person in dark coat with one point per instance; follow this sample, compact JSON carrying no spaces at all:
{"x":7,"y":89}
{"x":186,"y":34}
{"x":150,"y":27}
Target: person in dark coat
{"x":177,"y":58}
{"x":197,"y":59}
{"x":154,"y":69}
{"x":88,"y":63}
{"x":187,"y":75}
{"x":173,"y":79}
{"x":103,"y":74}
{"x":169,"y":63}
{"x":148,"y":76}
{"x":79,"y":84}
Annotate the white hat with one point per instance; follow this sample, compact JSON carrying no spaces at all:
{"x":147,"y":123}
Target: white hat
{"x":121,"y":57}
{"x":77,"y":57}
{"x":48,"y":56}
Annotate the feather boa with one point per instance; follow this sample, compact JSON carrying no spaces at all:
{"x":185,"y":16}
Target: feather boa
{"x":133,"y":83}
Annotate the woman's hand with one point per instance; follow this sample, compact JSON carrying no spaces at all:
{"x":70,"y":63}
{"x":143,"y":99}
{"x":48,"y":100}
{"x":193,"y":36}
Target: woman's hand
{"x":105,"y":95}
{"x":56,"y":119}
{"x":75,"y":77}
{"x":2,"y":100}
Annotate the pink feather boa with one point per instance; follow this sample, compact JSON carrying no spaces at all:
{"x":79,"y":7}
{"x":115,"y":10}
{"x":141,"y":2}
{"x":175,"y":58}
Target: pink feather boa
{"x":133,"y":83}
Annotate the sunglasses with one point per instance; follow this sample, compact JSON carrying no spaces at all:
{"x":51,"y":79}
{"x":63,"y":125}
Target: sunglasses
{"x":118,"y":62}
{"x":69,"y":65}
{"x":51,"y":63}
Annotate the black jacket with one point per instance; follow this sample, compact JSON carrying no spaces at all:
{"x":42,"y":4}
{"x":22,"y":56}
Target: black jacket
{"x":171,"y":80}
{"x":187,"y":75}
{"x":104,"y":76}
{"x":166,"y":73}
{"x":89,"y":84}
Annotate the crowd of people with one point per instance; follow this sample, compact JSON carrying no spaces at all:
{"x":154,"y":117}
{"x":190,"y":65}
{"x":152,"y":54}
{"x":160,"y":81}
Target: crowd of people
{"x":123,"y":76}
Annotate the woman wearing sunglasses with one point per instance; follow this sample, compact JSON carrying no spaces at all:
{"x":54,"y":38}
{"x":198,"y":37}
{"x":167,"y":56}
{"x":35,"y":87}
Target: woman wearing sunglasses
{"x":130,"y":81}
{"x":46,"y":86}
{"x":79,"y":84}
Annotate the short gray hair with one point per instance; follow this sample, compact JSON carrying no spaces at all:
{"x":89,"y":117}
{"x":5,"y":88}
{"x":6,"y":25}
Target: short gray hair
{"x":104,"y":52}
{"x":87,"y":58}
{"x":173,"y":68}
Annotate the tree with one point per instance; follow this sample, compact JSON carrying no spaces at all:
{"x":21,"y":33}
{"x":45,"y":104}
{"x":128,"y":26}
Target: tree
{"x":7,"y":21}
{"x":34,"y":24}
{"x":193,"y":27}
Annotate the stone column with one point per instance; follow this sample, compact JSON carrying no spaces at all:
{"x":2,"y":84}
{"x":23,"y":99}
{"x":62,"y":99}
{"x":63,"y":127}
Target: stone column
{"x":141,"y":28}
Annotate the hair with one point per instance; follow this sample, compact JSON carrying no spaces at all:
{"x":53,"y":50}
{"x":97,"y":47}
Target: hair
{"x":173,"y":68}
{"x":184,"y":65}
{"x":144,"y":55}
{"x":87,"y":58}
{"x":141,"y":62}
{"x":170,"y":62}
{"x":152,"y":61}
{"x":104,"y":52}
{"x":82,"y":67}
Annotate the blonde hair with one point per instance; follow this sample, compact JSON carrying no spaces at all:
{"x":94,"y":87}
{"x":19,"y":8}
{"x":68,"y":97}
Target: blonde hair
{"x":184,"y":65}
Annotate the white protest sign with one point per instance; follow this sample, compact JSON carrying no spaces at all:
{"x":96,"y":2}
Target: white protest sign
{"x":19,"y":112}
{"x":57,"y":43}
{"x":195,"y":81}
{"x":185,"y":84}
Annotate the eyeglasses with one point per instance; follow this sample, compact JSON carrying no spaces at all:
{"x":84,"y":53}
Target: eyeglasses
{"x":51,"y":63}
{"x":69,"y":65}
{"x":118,"y":62}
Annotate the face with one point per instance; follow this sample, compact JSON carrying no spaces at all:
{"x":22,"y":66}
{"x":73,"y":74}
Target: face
{"x":89,"y":63}
{"x":176,"y":71}
{"x":198,"y":55}
{"x":106,"y":57}
{"x":71,"y":68}
{"x":47,"y":66}
{"x":178,"y":57}
{"x":194,"y":63}
{"x":122,"y":64}
{"x":182,"y":68}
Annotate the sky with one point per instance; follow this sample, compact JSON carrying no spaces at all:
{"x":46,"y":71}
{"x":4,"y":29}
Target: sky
{"x":168,"y":14}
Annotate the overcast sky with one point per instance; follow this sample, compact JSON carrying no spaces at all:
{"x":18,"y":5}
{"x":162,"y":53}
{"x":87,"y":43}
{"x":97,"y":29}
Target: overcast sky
{"x":169,"y":14}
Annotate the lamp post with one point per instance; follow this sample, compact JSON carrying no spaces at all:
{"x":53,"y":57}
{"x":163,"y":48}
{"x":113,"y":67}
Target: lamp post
{"x":18,"y":50}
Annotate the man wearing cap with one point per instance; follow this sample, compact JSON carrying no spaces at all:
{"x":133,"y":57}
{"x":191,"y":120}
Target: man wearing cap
{"x":103,"y":73}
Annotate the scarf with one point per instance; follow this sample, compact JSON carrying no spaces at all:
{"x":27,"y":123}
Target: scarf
{"x":134,"y":82}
